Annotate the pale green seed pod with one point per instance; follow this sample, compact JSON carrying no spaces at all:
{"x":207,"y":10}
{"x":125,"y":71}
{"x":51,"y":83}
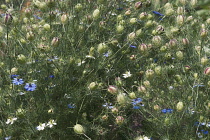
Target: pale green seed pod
{"x":179,"y":106}
{"x":93,"y":86}
{"x":64,"y":19}
{"x":79,"y":129}
{"x":102,"y":48}
{"x":179,"y":55}
{"x":204,"y":60}
{"x":121,"y":98}
{"x":96,"y":13}
{"x":132,"y":95}
{"x":120,"y":28}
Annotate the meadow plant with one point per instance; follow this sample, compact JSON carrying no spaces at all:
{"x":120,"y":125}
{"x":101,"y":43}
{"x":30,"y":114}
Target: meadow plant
{"x":104,"y":69}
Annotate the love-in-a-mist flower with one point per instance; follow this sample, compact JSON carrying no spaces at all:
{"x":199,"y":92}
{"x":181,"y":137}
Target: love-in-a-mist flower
{"x":17,"y":81}
{"x":30,"y":86}
{"x":41,"y":126}
{"x":127,"y":74}
{"x":8,"y":138}
{"x":51,"y":123}
{"x":167,"y":111}
{"x":11,"y":120}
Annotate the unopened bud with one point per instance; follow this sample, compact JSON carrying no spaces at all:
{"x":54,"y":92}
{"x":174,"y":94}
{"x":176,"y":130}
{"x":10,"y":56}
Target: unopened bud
{"x":79,"y":129}
{"x":143,"y":15}
{"x":128,"y":12}
{"x":207,"y":71}
{"x":64,"y":19}
{"x":102,"y":48}
{"x":115,"y":110}
{"x":138,"y":5}
{"x":149,"y":73}
{"x":119,"y":120}
{"x":193,"y":3}
{"x":93,"y":86}
{"x":132,"y":95}
{"x":156,"y":107}
{"x":133,"y":20}
{"x":118,"y":81}
{"x":139,"y":32}
{"x":203,"y":33}
{"x":8,"y":19}
{"x":183,"y":2}
{"x":120,"y":28}
{"x":112,"y":89}
{"x":204,"y":60}
{"x":185,"y":41}
{"x":180,"y":10}
{"x":156,"y":40}
{"x":179,"y":55}
{"x":121,"y":98}
{"x":132,"y":36}
{"x":180,"y":19}
{"x":179,"y":106}
{"x":146,"y":84}
{"x":169,"y":12}
{"x":46,"y":27}
{"x":104,"y":117}
{"x":55,"y":41}
{"x":173,"y":43}
{"x":21,"y":59}
{"x":78,"y":7}
{"x":187,"y":68}
{"x":158,"y":70}
{"x":96,"y":13}
{"x":142,"y":89}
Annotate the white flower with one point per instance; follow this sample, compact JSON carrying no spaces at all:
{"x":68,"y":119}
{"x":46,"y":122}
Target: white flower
{"x":11,"y":120}
{"x":79,"y":64}
{"x":41,"y":127}
{"x":127,"y":74}
{"x":51,"y":123}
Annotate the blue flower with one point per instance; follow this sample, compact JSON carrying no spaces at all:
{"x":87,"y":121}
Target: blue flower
{"x":133,"y":46}
{"x":7,"y":138}
{"x":106,"y":54}
{"x":30,"y":86}
{"x":71,"y":106}
{"x":167,"y":111}
{"x":205,"y":132}
{"x":37,"y":17}
{"x":109,"y":106}
{"x":136,"y":107}
{"x":157,"y":13}
{"x":136,"y":101}
{"x":17,"y":81}
{"x":198,"y":86}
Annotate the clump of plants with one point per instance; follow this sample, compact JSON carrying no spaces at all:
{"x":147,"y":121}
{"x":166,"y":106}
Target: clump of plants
{"x":104,"y":69}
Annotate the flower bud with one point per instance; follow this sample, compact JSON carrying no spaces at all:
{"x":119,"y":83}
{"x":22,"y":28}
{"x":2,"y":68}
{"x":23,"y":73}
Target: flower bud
{"x":185,"y":41}
{"x":179,"y":55}
{"x":139,"y":32}
{"x":132,"y":36}
{"x":119,"y":120}
{"x":93,"y":86}
{"x":102,"y":48}
{"x":112,"y":89}
{"x":143,"y":15}
{"x":121,"y":98}
{"x":138,"y":5}
{"x":142,"y":89}
{"x":115,"y":110}
{"x":183,"y":2}
{"x":159,"y":29}
{"x":195,"y":75}
{"x":104,"y":117}
{"x":21,"y":59}
{"x":166,"y":121}
{"x":55,"y":41}
{"x":187,"y":68}
{"x":143,"y":47}
{"x":79,"y":129}
{"x":180,"y":10}
{"x":180,"y":19}
{"x":133,"y":20}
{"x":203,"y":33}
{"x":193,"y":3}
{"x":148,"y":24}
{"x":173,"y":43}
{"x":156,"y":40}
{"x":14,"y":70}
{"x":20,"y":113}
{"x":146,"y":84}
{"x":64,"y":19}
{"x":30,"y":35}
{"x":28,"y":12}
{"x":207,"y":71}
{"x":120,"y":28}
{"x":8,"y":19}
{"x":132,"y":57}
{"x":156,"y":107}
{"x":158,"y":70}
{"x":96,"y":14}
{"x":149,"y":73}
{"x":204,"y":60}
{"x":118,"y":81}
{"x":46,"y":27}
{"x":119,"y":17}
{"x":78,"y":7}
{"x":132,"y":95}
{"x":179,"y":106}
{"x":128,"y":12}
{"x":169,"y":12}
